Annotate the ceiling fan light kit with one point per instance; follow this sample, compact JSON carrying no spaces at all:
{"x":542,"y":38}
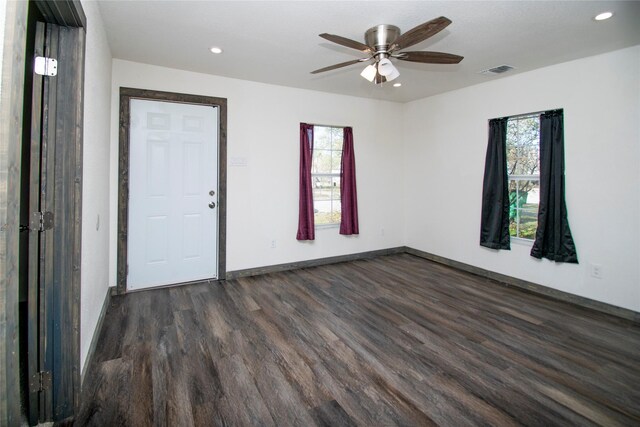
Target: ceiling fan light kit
{"x":369,"y":72}
{"x":386,"y":69}
{"x":383,"y":42}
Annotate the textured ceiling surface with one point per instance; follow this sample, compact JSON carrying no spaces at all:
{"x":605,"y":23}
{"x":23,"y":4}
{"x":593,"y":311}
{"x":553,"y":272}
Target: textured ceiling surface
{"x":277,"y":42}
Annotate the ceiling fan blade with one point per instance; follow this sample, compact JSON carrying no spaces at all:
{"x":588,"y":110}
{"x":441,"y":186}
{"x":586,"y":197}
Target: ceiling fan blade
{"x":340,"y":65}
{"x":429,"y":57}
{"x":343,"y":41}
{"x":420,"y":33}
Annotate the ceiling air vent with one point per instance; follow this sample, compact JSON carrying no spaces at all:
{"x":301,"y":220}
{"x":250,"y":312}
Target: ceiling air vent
{"x":497,"y":70}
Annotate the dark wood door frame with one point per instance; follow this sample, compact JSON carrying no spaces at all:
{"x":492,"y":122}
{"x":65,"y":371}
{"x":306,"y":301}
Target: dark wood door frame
{"x":65,"y":136}
{"x":11,"y":114}
{"x":126,"y":94}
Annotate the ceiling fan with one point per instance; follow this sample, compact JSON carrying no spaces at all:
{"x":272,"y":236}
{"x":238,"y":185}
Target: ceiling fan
{"x":384,"y":42}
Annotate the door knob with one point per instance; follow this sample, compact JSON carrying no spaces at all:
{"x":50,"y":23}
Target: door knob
{"x":212,"y":205}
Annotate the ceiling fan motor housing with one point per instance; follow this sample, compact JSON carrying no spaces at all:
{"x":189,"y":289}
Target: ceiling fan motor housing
{"x":380,"y":38}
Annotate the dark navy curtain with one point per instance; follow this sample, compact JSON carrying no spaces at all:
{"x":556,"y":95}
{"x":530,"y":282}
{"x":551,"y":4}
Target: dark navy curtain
{"x":553,"y":235}
{"x":494,"y":222}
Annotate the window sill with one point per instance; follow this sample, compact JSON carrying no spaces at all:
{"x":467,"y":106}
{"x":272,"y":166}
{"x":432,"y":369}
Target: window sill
{"x":326,"y":226}
{"x":521,"y":241}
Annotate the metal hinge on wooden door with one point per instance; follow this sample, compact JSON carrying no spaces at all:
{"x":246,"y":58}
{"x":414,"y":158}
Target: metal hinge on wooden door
{"x":41,"y":221}
{"x":40,"y":381}
{"x":45,"y":66}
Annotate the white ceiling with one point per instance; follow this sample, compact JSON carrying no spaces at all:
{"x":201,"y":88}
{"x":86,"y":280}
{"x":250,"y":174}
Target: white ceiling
{"x":277,"y":41}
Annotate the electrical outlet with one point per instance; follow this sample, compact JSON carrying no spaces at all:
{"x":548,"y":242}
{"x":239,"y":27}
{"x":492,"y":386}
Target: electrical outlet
{"x":596,"y":271}
{"x":273,"y":244}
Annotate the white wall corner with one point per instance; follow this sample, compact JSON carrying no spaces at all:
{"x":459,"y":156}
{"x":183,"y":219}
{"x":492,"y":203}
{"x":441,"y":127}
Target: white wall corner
{"x":446,"y":138}
{"x":95,"y":191}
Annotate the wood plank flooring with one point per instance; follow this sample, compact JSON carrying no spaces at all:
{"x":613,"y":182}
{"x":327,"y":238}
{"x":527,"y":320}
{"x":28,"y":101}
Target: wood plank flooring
{"x":397,"y":340}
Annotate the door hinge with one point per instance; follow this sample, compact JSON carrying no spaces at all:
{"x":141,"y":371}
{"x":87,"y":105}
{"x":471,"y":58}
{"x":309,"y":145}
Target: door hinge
{"x":41,"y":221}
{"x":40,"y":381}
{"x":45,"y":66}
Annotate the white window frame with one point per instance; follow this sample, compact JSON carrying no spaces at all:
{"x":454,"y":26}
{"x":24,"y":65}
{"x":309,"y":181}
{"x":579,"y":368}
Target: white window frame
{"x":325,"y":175}
{"x":534,"y":177}
{"x":521,"y":178}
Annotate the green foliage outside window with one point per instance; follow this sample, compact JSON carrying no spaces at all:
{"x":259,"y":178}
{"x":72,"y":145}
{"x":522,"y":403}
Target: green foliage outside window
{"x":325,"y":174}
{"x":523,"y":168}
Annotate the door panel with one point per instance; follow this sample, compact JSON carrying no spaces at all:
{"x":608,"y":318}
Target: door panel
{"x":33,"y":328}
{"x":172,"y":234}
{"x":63,"y":197}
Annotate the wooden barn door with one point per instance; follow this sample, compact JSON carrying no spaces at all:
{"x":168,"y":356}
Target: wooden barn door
{"x":55,"y":184}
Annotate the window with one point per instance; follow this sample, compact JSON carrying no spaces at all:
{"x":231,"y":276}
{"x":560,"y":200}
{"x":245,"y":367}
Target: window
{"x":523,"y":168}
{"x":325,"y":174}
{"x":524,"y":183}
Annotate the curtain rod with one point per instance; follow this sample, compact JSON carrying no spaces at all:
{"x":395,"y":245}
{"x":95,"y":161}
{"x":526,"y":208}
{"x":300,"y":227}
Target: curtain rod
{"x":535,"y":113}
{"x":328,"y":126}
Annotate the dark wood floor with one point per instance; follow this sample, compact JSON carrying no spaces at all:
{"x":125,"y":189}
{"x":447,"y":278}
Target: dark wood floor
{"x":393,"y":341}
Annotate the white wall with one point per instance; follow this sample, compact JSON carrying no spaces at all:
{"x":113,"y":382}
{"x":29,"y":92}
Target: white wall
{"x":446,"y":139}
{"x":263,"y":127}
{"x":95,"y":184}
{"x":3,"y":11}
{"x":423,"y":186}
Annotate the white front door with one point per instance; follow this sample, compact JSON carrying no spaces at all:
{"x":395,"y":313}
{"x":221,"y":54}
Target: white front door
{"x":173,"y":193}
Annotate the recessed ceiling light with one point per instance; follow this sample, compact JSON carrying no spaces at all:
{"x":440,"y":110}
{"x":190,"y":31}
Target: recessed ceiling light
{"x":215,"y":49}
{"x":603,"y":16}
{"x":397,"y":84}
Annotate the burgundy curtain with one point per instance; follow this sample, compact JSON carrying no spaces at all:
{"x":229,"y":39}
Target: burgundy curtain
{"x":348,"y":194}
{"x":306,"y":225}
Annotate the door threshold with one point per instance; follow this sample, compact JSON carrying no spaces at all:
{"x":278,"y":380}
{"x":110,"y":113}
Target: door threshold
{"x":171,"y":285}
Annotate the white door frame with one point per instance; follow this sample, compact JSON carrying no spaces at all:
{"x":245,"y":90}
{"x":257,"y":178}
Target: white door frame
{"x":126,"y":94}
